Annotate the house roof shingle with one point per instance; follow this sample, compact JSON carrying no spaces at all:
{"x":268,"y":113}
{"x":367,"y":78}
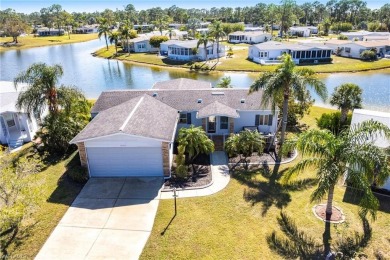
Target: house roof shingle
{"x":215,"y":109}
{"x":140,"y":116}
{"x":182,"y":83}
{"x":188,"y":100}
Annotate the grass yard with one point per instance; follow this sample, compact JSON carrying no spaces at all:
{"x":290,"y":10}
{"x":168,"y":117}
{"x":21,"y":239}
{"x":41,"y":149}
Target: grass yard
{"x":239,"y":62}
{"x":30,"y":41}
{"x":235,"y":223}
{"x":58,"y":192}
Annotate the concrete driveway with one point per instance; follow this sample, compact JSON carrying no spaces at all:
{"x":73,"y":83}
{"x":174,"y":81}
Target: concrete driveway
{"x":111,"y":218}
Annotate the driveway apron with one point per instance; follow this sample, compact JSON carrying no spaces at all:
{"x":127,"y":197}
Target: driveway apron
{"x":111,"y":218}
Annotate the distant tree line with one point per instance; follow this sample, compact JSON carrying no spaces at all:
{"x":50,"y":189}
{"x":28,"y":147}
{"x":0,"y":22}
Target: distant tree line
{"x":287,"y":13}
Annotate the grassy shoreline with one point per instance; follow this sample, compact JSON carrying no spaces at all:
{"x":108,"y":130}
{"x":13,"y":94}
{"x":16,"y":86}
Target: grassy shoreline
{"x":239,"y":63}
{"x":30,"y":41}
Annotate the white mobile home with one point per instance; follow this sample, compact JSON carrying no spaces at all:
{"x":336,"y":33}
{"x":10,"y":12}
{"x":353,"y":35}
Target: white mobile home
{"x":361,"y":115}
{"x":353,"y":49}
{"x":188,"y":50}
{"x":251,"y":37}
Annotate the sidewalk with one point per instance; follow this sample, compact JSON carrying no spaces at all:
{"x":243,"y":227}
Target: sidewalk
{"x":221,"y":178}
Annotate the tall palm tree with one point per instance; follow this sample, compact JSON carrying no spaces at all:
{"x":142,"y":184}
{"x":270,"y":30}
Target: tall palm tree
{"x":42,"y":91}
{"x":352,"y":152}
{"x":125,"y":32}
{"x":286,"y":81}
{"x":104,"y":29}
{"x":346,"y":97}
{"x":170,"y":33}
{"x":114,"y":39}
{"x":216,"y":30}
{"x":204,"y":39}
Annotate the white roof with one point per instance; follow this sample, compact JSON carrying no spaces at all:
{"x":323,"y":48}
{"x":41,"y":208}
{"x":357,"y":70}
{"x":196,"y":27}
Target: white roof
{"x":9,"y":96}
{"x":361,"y":115}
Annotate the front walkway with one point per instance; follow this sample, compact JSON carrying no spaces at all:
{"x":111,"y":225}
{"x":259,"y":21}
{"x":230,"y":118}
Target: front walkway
{"x":220,"y":179}
{"x":111,"y":218}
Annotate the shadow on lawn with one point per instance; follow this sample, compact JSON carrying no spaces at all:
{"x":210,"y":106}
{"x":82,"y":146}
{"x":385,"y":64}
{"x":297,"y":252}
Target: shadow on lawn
{"x":353,"y":196}
{"x":270,"y":192}
{"x":68,"y":189}
{"x":297,"y":245}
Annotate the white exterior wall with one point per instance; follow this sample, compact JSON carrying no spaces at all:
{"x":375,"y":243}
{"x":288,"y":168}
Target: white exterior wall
{"x":253,"y":53}
{"x":147,"y":48}
{"x":247,"y":118}
{"x":361,"y":115}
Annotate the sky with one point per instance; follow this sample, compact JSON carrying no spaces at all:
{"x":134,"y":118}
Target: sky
{"x":29,"y":6}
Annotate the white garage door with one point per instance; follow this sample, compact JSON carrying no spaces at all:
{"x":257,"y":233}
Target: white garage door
{"x":124,"y":161}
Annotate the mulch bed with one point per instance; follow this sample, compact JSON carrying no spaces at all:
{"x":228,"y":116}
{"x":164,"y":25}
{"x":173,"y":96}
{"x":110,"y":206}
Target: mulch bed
{"x":336,"y":217}
{"x":202,"y":178}
{"x":260,"y":159}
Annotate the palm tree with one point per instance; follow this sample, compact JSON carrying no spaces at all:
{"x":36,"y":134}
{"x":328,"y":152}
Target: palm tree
{"x":170,"y":33}
{"x":114,"y":38}
{"x":284,"y":82}
{"x":225,"y":82}
{"x":216,"y":30}
{"x":42,"y":91}
{"x":204,"y":39}
{"x":346,"y":97}
{"x":125,"y":32}
{"x":351,"y":152}
{"x":195,"y":141}
{"x":104,"y":29}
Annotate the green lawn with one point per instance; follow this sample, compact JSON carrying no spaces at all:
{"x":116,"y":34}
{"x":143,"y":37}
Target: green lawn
{"x":234,"y":223}
{"x":58,"y":192}
{"x":31,"y":41}
{"x":239,"y":62}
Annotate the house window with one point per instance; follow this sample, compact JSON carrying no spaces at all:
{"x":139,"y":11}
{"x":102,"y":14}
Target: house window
{"x":10,"y":122}
{"x":142,"y":46}
{"x":224,"y":122}
{"x":185,"y":118}
{"x":263,"y":120}
{"x":263,"y":54}
{"x":347,"y":49}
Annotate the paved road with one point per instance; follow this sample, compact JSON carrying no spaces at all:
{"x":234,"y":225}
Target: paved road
{"x":111,"y":218}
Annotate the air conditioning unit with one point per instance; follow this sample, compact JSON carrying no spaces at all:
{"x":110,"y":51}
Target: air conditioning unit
{"x":315,"y":61}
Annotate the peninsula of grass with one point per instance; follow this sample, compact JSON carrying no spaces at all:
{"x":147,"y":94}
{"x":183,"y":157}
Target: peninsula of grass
{"x":240,"y":63}
{"x":236,"y":222}
{"x":30,"y":41}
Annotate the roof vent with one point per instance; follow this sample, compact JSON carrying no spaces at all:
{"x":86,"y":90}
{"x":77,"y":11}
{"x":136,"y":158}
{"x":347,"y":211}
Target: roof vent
{"x":155,"y":94}
{"x":200,"y":100}
{"x":242,"y":101}
{"x":217,"y":93}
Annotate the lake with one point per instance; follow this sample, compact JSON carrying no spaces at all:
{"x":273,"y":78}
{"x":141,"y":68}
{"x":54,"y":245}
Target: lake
{"x":94,"y":75}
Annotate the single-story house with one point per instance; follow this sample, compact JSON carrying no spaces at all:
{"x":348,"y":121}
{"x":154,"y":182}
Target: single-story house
{"x":187,"y":50}
{"x":202,"y":31}
{"x":17,"y":127}
{"x":87,"y":29}
{"x":303,"y":31}
{"x":251,"y":37}
{"x":353,"y":49}
{"x":50,"y":32}
{"x":143,"y":27}
{"x":359,"y":35}
{"x":376,"y":38}
{"x":176,"y":25}
{"x":254,"y":29}
{"x":270,"y":53}
{"x":361,"y":115}
{"x":140,"y":44}
{"x":132,"y":132}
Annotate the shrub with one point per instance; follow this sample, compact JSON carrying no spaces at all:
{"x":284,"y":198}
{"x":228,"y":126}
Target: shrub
{"x":181,"y":168}
{"x":342,"y":37}
{"x":78,"y":174}
{"x":331,"y":121}
{"x":368,"y":55}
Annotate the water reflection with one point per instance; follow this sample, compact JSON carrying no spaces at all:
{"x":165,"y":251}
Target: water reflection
{"x":94,"y":75}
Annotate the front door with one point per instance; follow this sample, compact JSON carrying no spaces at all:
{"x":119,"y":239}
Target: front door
{"x":211,"y":124}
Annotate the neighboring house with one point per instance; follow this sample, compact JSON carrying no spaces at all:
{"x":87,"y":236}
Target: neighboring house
{"x":359,"y":35}
{"x":202,"y":31}
{"x":16,"y":126}
{"x":254,"y":29}
{"x":251,"y":37}
{"x":353,"y":49}
{"x":300,"y":31}
{"x":132,"y":132}
{"x":50,"y":32}
{"x":176,"y":25}
{"x":270,"y":53}
{"x":87,"y":29}
{"x":361,"y":115}
{"x":141,"y":44}
{"x":187,"y":50}
{"x":143,"y":27}
{"x":376,"y":38}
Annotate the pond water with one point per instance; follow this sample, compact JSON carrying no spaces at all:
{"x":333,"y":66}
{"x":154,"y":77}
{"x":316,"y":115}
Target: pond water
{"x":94,"y":75}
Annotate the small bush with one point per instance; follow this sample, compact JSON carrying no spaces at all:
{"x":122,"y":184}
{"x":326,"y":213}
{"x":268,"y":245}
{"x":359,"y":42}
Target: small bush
{"x":342,"y":37}
{"x":368,"y":55}
{"x":76,"y":172}
{"x":331,"y":121}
